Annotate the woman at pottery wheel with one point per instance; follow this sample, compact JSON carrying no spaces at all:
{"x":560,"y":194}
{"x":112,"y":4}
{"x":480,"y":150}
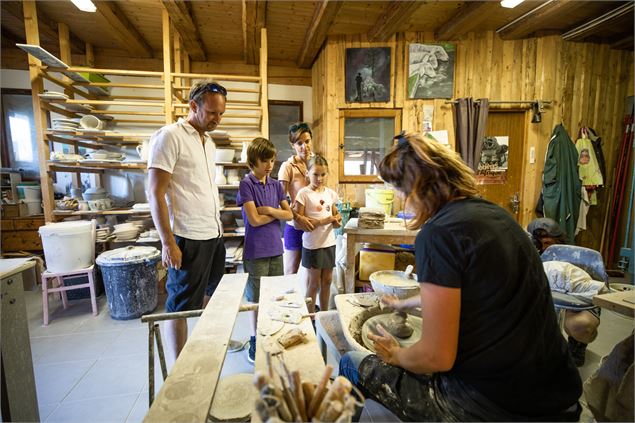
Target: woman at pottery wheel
{"x":490,"y":349}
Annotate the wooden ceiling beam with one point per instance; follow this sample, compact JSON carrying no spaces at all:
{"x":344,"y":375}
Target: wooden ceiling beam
{"x":325,"y":13}
{"x":596,"y":25}
{"x":465,"y":20}
{"x":389,"y":23}
{"x":47,"y":27}
{"x":527,"y":24}
{"x":123,"y":29}
{"x":186,"y":27}
{"x":254,"y":19}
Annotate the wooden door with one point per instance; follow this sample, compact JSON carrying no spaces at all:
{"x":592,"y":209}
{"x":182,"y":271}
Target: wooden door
{"x":500,"y":174}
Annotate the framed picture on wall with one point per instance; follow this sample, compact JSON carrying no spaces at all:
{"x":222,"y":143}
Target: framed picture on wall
{"x":431,"y":70}
{"x":367,"y":75}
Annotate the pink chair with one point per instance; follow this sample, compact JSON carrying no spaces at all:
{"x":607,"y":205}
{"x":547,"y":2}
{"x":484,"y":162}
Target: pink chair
{"x":57,"y":285}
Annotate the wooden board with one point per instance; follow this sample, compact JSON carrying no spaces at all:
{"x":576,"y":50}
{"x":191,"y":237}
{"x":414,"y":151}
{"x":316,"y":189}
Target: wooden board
{"x":305,"y":357}
{"x":187,"y":393}
{"x":622,"y":302}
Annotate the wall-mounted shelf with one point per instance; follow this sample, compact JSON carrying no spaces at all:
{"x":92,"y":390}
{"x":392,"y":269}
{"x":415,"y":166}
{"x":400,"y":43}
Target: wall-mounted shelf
{"x":231,"y":209}
{"x":101,"y":212}
{"x":232,"y":164}
{"x":228,"y":186}
{"x":57,"y":166}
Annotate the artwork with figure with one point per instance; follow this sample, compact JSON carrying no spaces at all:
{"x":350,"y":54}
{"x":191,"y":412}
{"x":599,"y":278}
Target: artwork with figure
{"x":367,"y":74}
{"x":495,"y":154}
{"x":431,"y":70}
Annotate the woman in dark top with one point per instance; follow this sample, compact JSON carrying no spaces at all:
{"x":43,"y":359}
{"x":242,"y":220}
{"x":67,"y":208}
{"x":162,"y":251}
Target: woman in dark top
{"x":491,"y":348}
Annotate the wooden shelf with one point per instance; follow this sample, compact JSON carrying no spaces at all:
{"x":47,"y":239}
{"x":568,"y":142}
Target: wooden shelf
{"x":228,"y":186}
{"x":100,"y":135}
{"x":233,"y":235}
{"x":100,"y":213}
{"x":93,"y":167}
{"x":231,"y":164}
{"x":231,"y":209}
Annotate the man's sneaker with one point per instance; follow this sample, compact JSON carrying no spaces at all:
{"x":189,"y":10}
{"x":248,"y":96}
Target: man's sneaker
{"x":251,"y":354}
{"x":578,"y":351}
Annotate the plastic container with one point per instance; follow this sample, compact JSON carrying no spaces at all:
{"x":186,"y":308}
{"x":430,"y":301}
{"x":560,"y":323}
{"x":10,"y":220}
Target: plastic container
{"x":380,"y":198}
{"x":33,"y":207}
{"x":130,"y":280}
{"x":394,"y":282}
{"x":68,"y":246}
{"x":29,"y":192}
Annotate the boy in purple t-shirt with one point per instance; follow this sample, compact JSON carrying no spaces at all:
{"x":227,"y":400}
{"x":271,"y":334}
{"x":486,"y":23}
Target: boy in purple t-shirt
{"x":263,"y":203}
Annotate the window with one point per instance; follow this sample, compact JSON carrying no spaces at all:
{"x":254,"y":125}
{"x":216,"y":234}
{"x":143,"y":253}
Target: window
{"x":366,"y":136}
{"x":283,"y":114}
{"x":19,"y":141}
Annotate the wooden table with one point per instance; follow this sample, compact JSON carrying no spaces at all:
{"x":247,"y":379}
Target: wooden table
{"x":394,"y":232}
{"x":18,"y":381}
{"x":622,"y":302}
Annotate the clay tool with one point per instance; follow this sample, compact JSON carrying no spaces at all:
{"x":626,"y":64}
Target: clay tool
{"x":320,"y":391}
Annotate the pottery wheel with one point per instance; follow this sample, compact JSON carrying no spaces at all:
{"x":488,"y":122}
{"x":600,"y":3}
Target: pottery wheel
{"x":234,"y":398}
{"x":370,"y":324}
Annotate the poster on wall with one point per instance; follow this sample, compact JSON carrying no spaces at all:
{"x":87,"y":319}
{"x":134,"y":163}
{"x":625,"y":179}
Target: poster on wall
{"x":431,"y":70}
{"x":367,"y":75}
{"x":492,"y":168}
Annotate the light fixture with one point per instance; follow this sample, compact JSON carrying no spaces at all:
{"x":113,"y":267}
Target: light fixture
{"x":536,"y":108}
{"x":85,"y":5}
{"x":510,"y":4}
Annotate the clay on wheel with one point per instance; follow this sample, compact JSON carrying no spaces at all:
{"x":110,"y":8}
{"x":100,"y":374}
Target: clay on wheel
{"x":398,"y":326}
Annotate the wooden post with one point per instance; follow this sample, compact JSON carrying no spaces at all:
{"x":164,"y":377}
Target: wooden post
{"x":264,"y":92}
{"x":167,"y":67}
{"x":90,"y":56}
{"x":186,"y":69}
{"x":37,"y":87}
{"x":65,"y":55}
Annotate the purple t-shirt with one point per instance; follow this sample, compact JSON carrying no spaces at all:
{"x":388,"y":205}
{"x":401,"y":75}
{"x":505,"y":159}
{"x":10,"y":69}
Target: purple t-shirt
{"x":265,"y":240}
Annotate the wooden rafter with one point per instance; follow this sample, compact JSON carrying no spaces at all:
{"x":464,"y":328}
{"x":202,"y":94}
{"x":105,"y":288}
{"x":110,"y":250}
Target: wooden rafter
{"x":184,"y":24}
{"x":465,"y":20}
{"x":123,"y":29}
{"x":254,"y":19}
{"x":528,"y":23}
{"x":397,"y":13}
{"x":47,"y":27}
{"x":323,"y":16}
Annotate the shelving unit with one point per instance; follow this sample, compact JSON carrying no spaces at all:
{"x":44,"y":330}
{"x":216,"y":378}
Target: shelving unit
{"x":135,"y":108}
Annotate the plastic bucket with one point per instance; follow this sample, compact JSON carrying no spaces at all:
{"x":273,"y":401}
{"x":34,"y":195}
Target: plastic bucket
{"x":130,"y":281}
{"x":380,"y":198}
{"x":29,"y":192}
{"x":68,"y":246}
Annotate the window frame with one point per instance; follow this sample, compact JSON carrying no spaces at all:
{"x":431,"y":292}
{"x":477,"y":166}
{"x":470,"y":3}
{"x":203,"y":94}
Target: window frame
{"x":363,"y":113}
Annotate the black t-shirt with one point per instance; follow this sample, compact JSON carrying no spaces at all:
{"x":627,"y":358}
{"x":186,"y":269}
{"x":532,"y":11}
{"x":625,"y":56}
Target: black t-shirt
{"x":510,"y":347}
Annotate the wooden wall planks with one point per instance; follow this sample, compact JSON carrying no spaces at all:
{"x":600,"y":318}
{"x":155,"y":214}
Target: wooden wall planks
{"x":587,"y":83}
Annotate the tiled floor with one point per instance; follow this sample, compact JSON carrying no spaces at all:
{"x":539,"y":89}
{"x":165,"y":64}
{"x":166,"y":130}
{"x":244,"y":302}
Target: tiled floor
{"x":94,"y":368}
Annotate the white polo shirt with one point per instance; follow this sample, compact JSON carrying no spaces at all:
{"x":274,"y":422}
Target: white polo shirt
{"x":192,"y":195}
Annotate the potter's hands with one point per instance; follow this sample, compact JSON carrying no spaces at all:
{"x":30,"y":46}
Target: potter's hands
{"x":171,"y":255}
{"x":392,"y":301}
{"x":385,"y":345}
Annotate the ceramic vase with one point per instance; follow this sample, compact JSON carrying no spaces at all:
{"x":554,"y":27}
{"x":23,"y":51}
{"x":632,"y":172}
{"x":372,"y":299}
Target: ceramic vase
{"x":220,"y":176}
{"x":243,"y":154}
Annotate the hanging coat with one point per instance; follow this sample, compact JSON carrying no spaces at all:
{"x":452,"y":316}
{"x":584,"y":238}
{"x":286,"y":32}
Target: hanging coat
{"x":561,"y":182}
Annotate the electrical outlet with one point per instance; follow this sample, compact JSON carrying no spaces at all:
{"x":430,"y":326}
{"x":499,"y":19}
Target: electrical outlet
{"x":532,"y":155}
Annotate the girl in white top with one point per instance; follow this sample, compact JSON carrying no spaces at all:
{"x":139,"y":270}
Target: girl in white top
{"x":317,"y":203}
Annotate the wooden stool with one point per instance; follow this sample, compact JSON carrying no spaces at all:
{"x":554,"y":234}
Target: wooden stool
{"x":57,"y":279}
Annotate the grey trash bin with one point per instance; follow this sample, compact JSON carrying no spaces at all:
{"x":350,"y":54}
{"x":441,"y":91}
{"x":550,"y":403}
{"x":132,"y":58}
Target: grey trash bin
{"x":130,"y":280}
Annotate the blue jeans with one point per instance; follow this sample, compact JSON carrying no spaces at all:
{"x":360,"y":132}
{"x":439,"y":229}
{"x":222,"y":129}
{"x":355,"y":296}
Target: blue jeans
{"x":349,"y":365}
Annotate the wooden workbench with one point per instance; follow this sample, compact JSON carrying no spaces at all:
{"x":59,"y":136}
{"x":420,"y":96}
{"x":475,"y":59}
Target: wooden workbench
{"x":622,"y":302}
{"x":305,"y":357}
{"x":394,"y":232}
{"x":187,"y":393}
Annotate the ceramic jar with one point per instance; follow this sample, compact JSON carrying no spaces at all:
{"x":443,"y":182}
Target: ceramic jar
{"x":220,"y":176}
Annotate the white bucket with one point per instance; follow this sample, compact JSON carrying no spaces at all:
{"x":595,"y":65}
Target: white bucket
{"x":380,"y":198}
{"x":33,"y":207}
{"x":29,"y":192}
{"x":68,"y":246}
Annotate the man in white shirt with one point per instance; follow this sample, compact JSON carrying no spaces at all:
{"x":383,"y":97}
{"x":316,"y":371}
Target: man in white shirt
{"x":185,"y":207}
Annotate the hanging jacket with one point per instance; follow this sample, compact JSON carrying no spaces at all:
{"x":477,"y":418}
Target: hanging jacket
{"x":561,"y":182}
{"x":599,"y":154}
{"x":588,"y":168}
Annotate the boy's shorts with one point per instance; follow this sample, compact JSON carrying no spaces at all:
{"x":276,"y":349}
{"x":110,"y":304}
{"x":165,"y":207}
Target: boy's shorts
{"x":256,"y":268}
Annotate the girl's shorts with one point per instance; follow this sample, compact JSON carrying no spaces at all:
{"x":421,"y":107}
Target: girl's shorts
{"x":322,"y":258}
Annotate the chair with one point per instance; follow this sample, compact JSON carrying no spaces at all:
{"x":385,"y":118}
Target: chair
{"x":586,"y":259}
{"x":57,"y":285}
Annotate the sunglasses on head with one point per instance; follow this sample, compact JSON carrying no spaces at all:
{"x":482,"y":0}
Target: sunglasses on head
{"x":212,"y":88}
{"x":401,"y":139}
{"x":299,"y":126}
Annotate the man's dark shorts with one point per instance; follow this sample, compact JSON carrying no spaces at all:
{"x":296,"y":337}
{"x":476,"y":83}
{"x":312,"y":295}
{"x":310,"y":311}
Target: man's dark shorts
{"x":202,"y":267}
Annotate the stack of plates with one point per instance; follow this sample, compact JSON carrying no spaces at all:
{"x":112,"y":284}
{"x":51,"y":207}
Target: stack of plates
{"x":102,"y":234}
{"x":127,"y":231}
{"x":53,"y":95}
{"x":65,"y":124}
{"x":141,"y":207}
{"x":149,"y":236}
